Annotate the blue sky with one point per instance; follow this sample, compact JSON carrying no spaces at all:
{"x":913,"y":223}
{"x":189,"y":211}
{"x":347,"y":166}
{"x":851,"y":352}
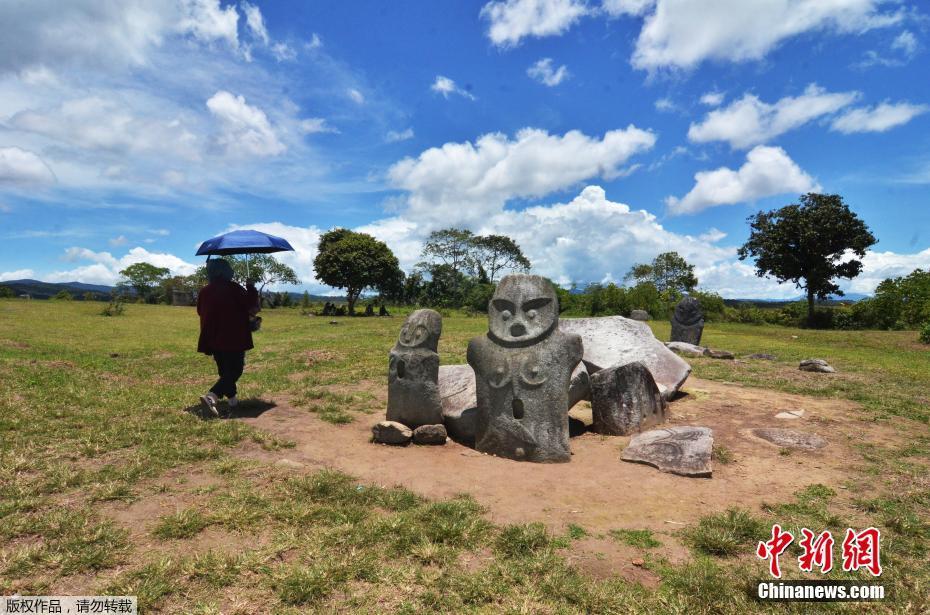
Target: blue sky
{"x":596,"y":133}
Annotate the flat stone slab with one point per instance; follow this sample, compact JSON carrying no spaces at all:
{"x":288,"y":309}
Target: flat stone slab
{"x":790,"y":414}
{"x":816,"y":365}
{"x":684,"y":451}
{"x":391,"y":432}
{"x":615,"y":340}
{"x":719,"y":354}
{"x":789,"y":438}
{"x":685,"y":349}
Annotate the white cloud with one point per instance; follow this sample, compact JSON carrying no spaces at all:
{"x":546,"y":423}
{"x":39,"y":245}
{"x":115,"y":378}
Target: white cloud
{"x":750,"y":121}
{"x":105,"y":268}
{"x":315,"y":42}
{"x":304,"y":240}
{"x":314,"y":125}
{"x":712,"y":235}
{"x":877,"y":266}
{"x":512,"y":20}
{"x":208,"y":21}
{"x":119,"y":241}
{"x":393,"y":136}
{"x":255,"y":22}
{"x":880,"y":118}
{"x":18,"y":166}
{"x":19,"y":274}
{"x":906,"y":43}
{"x":355,"y":95}
{"x":466,"y":181}
{"x":712,"y":99}
{"x":616,"y":8}
{"x":246,"y":129}
{"x":446,"y":86}
{"x":665,"y":105}
{"x":736,"y":30}
{"x":283,"y":52}
{"x":5,"y":209}
{"x":543,"y":72}
{"x":767,"y":171}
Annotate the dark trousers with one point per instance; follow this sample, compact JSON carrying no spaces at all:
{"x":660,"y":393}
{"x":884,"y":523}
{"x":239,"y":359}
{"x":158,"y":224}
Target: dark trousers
{"x":229,"y":365}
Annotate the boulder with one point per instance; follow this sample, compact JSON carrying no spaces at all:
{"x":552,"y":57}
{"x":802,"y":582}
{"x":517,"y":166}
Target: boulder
{"x":789,"y":438}
{"x":625,"y":399}
{"x":685,"y":349}
{"x":459,"y":401}
{"x":580,"y":387}
{"x":615,"y":340}
{"x":391,"y":432}
{"x":429,"y":434}
{"x":688,"y":321}
{"x":685,"y":451}
{"x":640,"y":315}
{"x":719,"y":354}
{"x":816,"y":365}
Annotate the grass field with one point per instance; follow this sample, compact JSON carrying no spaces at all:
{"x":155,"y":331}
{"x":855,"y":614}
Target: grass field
{"x":92,"y":418}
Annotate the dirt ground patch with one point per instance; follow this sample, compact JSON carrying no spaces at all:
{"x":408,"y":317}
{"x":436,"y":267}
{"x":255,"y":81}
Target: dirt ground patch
{"x":596,"y":490}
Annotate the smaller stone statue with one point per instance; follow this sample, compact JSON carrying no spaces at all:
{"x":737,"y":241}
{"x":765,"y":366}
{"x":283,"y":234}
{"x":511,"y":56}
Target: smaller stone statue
{"x":688,"y":322}
{"x":413,"y":372}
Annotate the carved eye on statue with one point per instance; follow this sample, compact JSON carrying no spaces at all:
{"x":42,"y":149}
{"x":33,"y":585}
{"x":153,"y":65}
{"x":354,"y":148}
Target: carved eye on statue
{"x":499,"y":377}
{"x":531,"y":314}
{"x":506,"y":315}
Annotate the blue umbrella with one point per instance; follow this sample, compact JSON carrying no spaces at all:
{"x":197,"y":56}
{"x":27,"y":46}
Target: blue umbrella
{"x":244,"y":242}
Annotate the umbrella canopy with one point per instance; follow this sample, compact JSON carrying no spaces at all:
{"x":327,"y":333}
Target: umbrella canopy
{"x":244,"y":242}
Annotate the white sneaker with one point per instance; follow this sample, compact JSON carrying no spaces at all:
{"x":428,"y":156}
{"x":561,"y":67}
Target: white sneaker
{"x":210,"y":400}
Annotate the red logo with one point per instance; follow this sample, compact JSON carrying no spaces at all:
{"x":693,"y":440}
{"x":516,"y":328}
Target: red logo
{"x":773,"y":548}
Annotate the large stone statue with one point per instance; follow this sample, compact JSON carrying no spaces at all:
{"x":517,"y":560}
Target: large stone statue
{"x":688,"y":322}
{"x":413,"y":391}
{"x":523,"y":369}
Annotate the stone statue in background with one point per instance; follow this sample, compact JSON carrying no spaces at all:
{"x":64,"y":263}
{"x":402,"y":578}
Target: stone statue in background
{"x":523,"y":369}
{"x":413,"y":373}
{"x":688,"y":322}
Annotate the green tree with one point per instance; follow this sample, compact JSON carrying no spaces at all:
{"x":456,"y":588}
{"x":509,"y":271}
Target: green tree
{"x":446,"y":287}
{"x":6,"y":292}
{"x":809,"y":244}
{"x":144,"y":278}
{"x":63,"y":295}
{"x":451,"y":246}
{"x":305,"y":303}
{"x":495,"y":253}
{"x":354,"y":261}
{"x":668,"y":272}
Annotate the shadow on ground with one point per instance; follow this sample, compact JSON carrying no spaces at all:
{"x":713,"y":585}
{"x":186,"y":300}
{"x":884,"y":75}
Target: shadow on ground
{"x":247,"y":409}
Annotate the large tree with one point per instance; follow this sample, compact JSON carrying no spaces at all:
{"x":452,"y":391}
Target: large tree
{"x":495,"y":253}
{"x":451,"y":246}
{"x":355,"y":261}
{"x":810,"y":243}
{"x":263,"y":270}
{"x":144,"y":278}
{"x":667,"y":272}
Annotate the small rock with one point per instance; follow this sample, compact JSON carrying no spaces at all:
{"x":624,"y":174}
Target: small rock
{"x":816,"y":365}
{"x":114,"y":355}
{"x":429,"y":434}
{"x":678,"y":450}
{"x":334,"y":322}
{"x":640,"y":562}
{"x":391,"y":432}
{"x":685,"y":349}
{"x":788,"y":438}
{"x":640,"y":315}
{"x":762,"y":356}
{"x":288,"y":463}
{"x":790,"y":414}
{"x":794,"y":337}
{"x":718,"y":354}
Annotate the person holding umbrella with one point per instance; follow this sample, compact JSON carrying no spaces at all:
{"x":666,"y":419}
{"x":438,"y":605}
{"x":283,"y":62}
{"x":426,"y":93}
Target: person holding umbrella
{"x":227,"y":311}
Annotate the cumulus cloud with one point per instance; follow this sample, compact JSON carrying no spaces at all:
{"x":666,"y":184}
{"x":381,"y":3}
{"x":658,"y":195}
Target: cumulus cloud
{"x":19,"y":274}
{"x":512,"y":20}
{"x":245,"y":129}
{"x":21,"y":167}
{"x":750,"y":121}
{"x":104,"y":268}
{"x":119,"y":241}
{"x":447,"y":87}
{"x":616,"y":8}
{"x":878,"y":266}
{"x":879,"y":118}
{"x":767,"y":171}
{"x":665,"y":105}
{"x":459,"y":181}
{"x":393,"y":136}
{"x":355,"y":95}
{"x":543,"y":72}
{"x":738,"y":31}
{"x":712,"y":99}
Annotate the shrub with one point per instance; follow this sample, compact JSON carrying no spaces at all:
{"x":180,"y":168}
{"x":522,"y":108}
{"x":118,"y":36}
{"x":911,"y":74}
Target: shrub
{"x":925,"y":334}
{"x":114,"y":308}
{"x":63,"y":295}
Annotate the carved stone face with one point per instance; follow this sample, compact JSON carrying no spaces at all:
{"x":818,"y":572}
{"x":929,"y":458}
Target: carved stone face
{"x":421,"y":330}
{"x":688,"y":311}
{"x":523,"y":310}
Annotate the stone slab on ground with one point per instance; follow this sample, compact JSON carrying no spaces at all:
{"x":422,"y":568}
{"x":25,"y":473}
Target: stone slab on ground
{"x":816,"y":365}
{"x":762,"y":356}
{"x":789,"y":438}
{"x":685,"y":349}
{"x":615,"y":340}
{"x":719,"y":354}
{"x":430,"y":434}
{"x":790,"y":414}
{"x":391,"y":432}
{"x":685,"y":451}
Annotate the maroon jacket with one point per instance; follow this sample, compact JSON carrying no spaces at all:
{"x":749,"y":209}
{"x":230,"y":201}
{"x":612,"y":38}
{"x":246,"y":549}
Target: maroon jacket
{"x":224,"y":309}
